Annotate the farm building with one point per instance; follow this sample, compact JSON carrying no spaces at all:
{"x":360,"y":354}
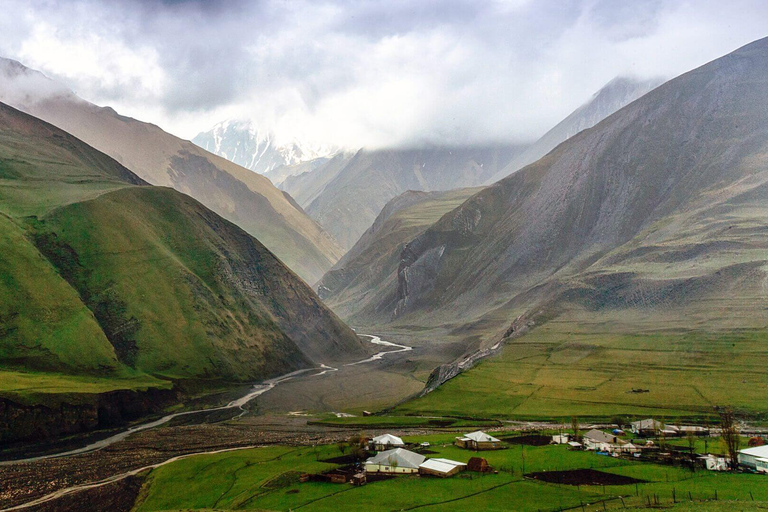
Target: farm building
{"x":561,"y":438}
{"x":600,"y":441}
{"x":385,"y":442}
{"x":629,"y":448}
{"x":649,"y":427}
{"x":714,"y":463}
{"x":441,"y":467}
{"x":478,"y":465}
{"x":478,"y":441}
{"x":395,"y":462}
{"x":755,"y":458}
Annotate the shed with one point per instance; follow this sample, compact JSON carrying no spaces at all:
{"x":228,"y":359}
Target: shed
{"x":755,"y":458}
{"x":478,"y":441}
{"x":395,"y":462}
{"x":573,"y":445}
{"x":561,"y":438}
{"x":385,"y":442}
{"x":478,"y":465}
{"x":441,"y":467}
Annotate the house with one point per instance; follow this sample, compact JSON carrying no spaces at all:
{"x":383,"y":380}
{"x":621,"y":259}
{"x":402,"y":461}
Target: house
{"x":600,"y":441}
{"x":649,"y":427}
{"x":478,"y":465}
{"x":441,"y":467}
{"x":385,"y":442}
{"x":398,"y":461}
{"x":755,"y":458}
{"x":478,"y":441}
{"x":561,"y":438}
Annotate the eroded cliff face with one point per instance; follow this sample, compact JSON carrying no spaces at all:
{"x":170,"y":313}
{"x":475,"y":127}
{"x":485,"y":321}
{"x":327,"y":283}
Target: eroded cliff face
{"x":78,"y":414}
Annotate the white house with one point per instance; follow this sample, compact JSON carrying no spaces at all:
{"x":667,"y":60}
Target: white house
{"x":395,"y":462}
{"x":600,"y":441}
{"x":386,"y":442}
{"x":478,"y":441}
{"x":649,"y":427}
{"x":755,"y":458}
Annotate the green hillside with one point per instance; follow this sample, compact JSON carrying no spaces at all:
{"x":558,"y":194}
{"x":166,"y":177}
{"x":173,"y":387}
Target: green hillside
{"x":132,"y":286}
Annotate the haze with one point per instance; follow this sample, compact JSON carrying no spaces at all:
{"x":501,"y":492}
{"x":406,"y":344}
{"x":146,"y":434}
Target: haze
{"x":371,"y":74}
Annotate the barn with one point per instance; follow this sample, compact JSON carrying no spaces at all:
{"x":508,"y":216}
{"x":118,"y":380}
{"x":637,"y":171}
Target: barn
{"x":441,"y":467}
{"x":395,"y":462}
{"x":755,"y":458}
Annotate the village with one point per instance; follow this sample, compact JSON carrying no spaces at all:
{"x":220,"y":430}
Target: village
{"x":388,"y":456}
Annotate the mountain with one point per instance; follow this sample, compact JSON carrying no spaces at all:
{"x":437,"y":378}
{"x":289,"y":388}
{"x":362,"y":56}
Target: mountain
{"x":347,"y":193}
{"x":616,"y":94}
{"x":658,"y":209}
{"x":260,"y":151}
{"x":364,"y":281}
{"x":237,"y":194}
{"x":109,"y":283}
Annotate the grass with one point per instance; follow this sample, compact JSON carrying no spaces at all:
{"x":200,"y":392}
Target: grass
{"x":32,"y":387}
{"x":558,"y":371}
{"x":261,"y":479}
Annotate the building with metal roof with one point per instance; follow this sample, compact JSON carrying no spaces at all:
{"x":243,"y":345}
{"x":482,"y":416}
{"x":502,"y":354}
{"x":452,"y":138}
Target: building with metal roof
{"x":396,"y":461}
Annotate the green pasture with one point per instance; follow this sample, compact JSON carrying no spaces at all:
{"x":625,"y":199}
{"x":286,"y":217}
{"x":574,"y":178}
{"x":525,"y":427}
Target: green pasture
{"x":267,"y":479}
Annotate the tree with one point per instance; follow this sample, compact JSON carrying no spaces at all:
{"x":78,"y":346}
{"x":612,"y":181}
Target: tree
{"x":729,"y":432}
{"x":575,"y":427}
{"x":342,"y":446}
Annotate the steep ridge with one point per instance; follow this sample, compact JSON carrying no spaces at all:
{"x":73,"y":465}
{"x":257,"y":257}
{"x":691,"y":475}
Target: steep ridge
{"x":235,"y":193}
{"x":661,"y":205}
{"x":134,"y":286}
{"x":364,"y":281}
{"x":347,"y":194}
{"x":617,"y":93}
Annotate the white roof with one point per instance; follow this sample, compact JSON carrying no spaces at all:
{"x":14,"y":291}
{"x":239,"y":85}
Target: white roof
{"x":481,"y":437}
{"x":441,"y":465}
{"x":757,"y":451}
{"x":400,"y":457}
{"x":388,"y":439}
{"x":574,"y":443}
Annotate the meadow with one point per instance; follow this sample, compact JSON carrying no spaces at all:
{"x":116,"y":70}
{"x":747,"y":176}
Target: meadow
{"x":267,"y":479}
{"x":565,"y":368}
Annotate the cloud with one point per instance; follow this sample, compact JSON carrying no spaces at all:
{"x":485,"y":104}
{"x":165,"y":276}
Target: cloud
{"x":370,"y":73}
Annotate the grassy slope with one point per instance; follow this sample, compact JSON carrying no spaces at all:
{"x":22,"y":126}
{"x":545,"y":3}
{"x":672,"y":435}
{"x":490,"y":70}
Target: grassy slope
{"x":260,"y":479}
{"x":155,"y":263}
{"x":104,"y":280}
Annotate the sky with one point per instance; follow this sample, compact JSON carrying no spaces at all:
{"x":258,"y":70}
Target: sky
{"x":366,"y":73}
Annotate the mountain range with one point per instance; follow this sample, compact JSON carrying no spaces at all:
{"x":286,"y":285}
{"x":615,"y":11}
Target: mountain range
{"x":659,"y":209}
{"x":237,"y":194}
{"x":243,"y":143}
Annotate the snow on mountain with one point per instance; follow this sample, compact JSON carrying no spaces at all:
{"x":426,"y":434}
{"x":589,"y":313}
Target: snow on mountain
{"x":259,"y":150}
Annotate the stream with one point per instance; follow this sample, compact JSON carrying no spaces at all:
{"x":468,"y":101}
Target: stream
{"x":257,"y":390}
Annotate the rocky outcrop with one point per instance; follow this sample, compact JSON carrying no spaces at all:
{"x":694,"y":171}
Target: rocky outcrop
{"x":79,"y":413}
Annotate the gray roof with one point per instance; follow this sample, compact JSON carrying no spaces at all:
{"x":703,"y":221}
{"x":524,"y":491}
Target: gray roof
{"x":648,"y":424}
{"x":441,"y":465}
{"x":400,"y":457}
{"x":599,"y":436}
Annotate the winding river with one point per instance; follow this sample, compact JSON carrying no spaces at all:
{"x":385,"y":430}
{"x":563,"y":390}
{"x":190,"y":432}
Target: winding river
{"x":257,"y":390}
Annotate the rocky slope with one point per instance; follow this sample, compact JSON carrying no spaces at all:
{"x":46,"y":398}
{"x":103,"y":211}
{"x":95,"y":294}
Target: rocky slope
{"x":659,"y":206}
{"x":237,"y":194}
{"x":364,"y":281}
{"x":346,"y":194}
{"x":616,"y":94}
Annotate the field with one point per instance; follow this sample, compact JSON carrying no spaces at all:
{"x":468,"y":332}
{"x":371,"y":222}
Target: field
{"x":566,"y":368}
{"x":267,"y":479}
{"x":402,"y":422}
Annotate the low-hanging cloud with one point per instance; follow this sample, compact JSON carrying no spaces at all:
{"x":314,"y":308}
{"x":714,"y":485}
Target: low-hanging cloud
{"x":373,"y":73}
